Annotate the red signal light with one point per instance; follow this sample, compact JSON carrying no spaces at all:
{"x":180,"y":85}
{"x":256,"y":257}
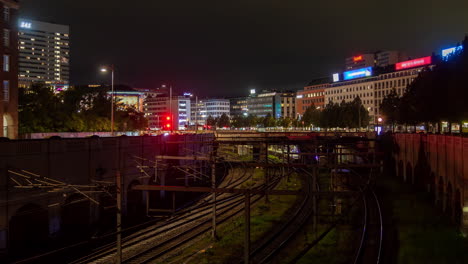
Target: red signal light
{"x":168,"y":118}
{"x":168,"y":125}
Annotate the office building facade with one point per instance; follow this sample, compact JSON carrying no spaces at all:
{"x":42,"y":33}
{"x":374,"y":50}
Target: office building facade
{"x":204,"y":108}
{"x":288,"y":104}
{"x":238,"y":107}
{"x":380,"y":58}
{"x":373,"y":89}
{"x":44,"y":54}
{"x":264,"y":103}
{"x":158,"y":107}
{"x":312,"y":94}
{"x":9,"y":70}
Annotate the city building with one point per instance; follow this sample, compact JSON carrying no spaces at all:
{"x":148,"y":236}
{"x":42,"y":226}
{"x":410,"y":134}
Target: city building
{"x":238,"y":106}
{"x":372,"y":86}
{"x":9,"y":70}
{"x":131,"y":99}
{"x":348,"y":90}
{"x":360,"y":61}
{"x":288,"y":104}
{"x":379,"y":58}
{"x":313,"y":93}
{"x":388,"y":57}
{"x":404,"y":74}
{"x":204,"y":108}
{"x":264,"y":103}
{"x":276,"y":104}
{"x":44,"y":54}
{"x":162,"y":109}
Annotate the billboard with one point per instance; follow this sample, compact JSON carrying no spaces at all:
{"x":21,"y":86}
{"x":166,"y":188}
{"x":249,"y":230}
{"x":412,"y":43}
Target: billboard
{"x":449,"y":51}
{"x":413,"y":63}
{"x":359,"y":73}
{"x":357,"y":58}
{"x":336,"y":77}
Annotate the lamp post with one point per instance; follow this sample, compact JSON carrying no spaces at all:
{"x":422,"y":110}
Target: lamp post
{"x":111,"y":69}
{"x":379,"y":120}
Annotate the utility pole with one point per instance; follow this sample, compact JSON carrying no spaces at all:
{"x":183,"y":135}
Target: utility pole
{"x":118,"y":186}
{"x":213,"y":185}
{"x":170,"y":107}
{"x":247,"y":228}
{"x":196,"y":113}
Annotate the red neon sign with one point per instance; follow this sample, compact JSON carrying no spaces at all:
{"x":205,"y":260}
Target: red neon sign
{"x":357,"y":58}
{"x":413,"y":63}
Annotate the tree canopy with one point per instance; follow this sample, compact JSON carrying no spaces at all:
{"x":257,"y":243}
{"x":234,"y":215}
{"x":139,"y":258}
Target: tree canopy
{"x":77,"y":109}
{"x":437,"y":94}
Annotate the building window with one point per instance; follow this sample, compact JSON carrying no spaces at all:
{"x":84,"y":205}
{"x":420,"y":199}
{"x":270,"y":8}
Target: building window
{"x":6,"y":13}
{"x":6,"y":63}
{"x":6,"y":37}
{"x":6,"y":90}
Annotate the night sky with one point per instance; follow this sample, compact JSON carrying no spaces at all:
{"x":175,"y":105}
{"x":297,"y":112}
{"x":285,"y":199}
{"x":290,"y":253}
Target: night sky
{"x":224,"y":48}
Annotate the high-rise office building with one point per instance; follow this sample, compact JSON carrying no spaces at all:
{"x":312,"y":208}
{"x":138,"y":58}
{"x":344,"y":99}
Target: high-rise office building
{"x":9,"y":69}
{"x":204,"y":108}
{"x":44,"y":53}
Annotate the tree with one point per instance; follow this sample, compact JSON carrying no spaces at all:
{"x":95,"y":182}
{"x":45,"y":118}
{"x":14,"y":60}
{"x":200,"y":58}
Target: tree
{"x":74,"y":110}
{"x":210,"y":121}
{"x":268,"y":121}
{"x":239,"y":121}
{"x":285,"y":122}
{"x":252,"y":121}
{"x":224,"y":121}
{"x":438,"y":93}
{"x":390,"y":108}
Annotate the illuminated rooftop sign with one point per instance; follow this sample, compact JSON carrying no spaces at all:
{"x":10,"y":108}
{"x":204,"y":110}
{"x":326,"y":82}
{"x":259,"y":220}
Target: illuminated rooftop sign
{"x":24,"y":24}
{"x":359,"y":73}
{"x":413,"y":63}
{"x":357,"y":58}
{"x":449,"y":51}
{"x":336,"y":77}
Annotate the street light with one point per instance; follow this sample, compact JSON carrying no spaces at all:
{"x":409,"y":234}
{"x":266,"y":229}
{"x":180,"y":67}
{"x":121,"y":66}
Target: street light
{"x":111,"y":69}
{"x":379,"y":120}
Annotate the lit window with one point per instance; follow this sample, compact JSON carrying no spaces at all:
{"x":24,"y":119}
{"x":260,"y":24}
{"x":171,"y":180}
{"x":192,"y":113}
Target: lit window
{"x":6,"y":37}
{"x":6,"y":63}
{"x":6,"y":90}
{"x":6,"y":13}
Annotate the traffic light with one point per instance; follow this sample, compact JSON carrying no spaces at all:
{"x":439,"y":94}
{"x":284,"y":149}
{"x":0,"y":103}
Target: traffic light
{"x":167,"y":123}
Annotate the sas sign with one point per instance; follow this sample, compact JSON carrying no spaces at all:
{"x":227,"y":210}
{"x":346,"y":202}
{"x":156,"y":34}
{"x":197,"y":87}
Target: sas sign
{"x":449,"y":51}
{"x":413,"y":63}
{"x":359,"y":73}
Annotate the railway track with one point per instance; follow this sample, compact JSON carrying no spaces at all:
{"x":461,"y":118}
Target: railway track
{"x":183,"y":224}
{"x":276,"y":241}
{"x":164,"y":247}
{"x":181,"y":217}
{"x":370,"y":247}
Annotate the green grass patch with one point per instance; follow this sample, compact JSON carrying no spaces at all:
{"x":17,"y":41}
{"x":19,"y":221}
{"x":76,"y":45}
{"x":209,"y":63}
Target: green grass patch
{"x":425,"y":235}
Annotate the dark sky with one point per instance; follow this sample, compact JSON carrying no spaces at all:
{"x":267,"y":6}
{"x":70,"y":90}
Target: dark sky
{"x":222,"y":47}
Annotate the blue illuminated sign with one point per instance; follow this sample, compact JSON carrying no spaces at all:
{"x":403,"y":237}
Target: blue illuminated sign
{"x":449,"y":51}
{"x":359,"y":73}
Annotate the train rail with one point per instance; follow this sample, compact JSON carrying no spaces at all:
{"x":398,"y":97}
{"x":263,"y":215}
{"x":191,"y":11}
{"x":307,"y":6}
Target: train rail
{"x":173,"y":242}
{"x":181,"y":217}
{"x":272,"y":245}
{"x":184,"y":226}
{"x":370,"y":246}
